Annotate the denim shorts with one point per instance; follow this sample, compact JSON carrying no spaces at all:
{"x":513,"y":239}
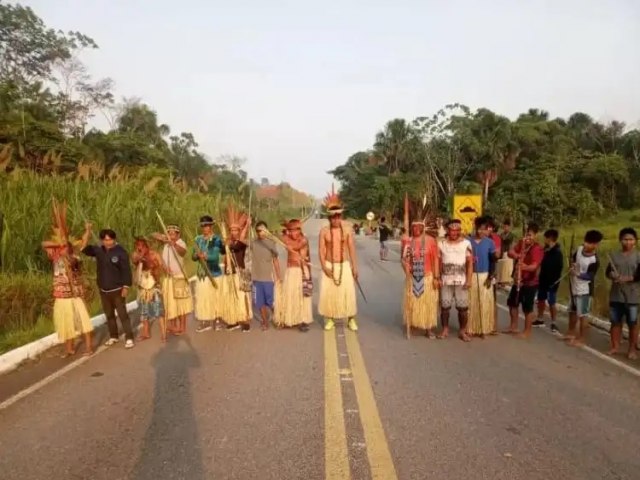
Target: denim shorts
{"x":581,"y":305}
{"x":619,"y":311}
{"x":547,"y":294}
{"x":263,"y":294}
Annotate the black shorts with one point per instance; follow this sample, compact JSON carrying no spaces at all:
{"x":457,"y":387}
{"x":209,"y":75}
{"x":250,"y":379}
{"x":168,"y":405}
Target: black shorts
{"x":525,"y":296}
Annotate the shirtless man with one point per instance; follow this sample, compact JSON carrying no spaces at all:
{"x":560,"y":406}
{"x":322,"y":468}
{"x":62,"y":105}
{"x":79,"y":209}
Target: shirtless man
{"x":337,"y":288}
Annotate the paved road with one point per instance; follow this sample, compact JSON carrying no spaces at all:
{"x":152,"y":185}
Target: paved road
{"x":289,"y":405}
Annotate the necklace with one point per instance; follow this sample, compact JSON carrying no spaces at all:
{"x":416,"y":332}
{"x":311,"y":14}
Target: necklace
{"x":338,"y":282}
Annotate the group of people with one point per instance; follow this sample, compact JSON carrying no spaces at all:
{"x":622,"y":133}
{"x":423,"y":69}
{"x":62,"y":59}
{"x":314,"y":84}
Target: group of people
{"x":236,"y":276}
{"x":447,"y":269}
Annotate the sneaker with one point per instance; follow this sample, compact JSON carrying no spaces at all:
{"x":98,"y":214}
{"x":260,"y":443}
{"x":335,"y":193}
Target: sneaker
{"x":303,"y":327}
{"x":128,"y":344}
{"x":554,"y":328}
{"x":111,"y":341}
{"x":218,"y":326}
{"x":353,"y":326}
{"x":204,"y":327}
{"x":233,"y":327}
{"x":328,"y":324}
{"x":538,"y":323}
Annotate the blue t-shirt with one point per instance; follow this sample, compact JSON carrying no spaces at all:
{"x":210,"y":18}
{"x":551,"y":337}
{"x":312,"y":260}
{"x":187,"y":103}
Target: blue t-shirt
{"x":482,"y":252}
{"x":213,"y":248}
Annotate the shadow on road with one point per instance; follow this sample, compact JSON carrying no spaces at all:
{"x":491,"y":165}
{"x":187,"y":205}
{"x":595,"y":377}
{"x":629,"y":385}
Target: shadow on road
{"x":171,"y":446}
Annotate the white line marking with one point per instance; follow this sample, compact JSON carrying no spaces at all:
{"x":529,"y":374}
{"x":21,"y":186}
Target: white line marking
{"x":45,"y":381}
{"x":606,"y":358}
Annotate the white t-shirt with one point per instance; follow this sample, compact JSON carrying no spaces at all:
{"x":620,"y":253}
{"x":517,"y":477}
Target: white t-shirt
{"x":454,"y":261}
{"x":173,"y":260}
{"x":579,"y":286}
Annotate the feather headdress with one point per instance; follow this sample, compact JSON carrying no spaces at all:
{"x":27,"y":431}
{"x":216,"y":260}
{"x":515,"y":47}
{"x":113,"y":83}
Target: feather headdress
{"x":60,"y":231}
{"x":420,"y":214}
{"x":293,"y":224}
{"x":332,"y":203}
{"x":235,"y":218}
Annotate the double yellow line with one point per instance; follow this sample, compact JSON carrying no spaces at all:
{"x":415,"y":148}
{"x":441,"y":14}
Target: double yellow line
{"x":336,"y":448}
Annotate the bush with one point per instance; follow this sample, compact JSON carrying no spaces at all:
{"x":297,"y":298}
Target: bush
{"x":24,"y":298}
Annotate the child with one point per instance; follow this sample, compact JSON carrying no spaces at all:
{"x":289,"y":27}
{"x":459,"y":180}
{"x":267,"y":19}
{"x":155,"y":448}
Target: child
{"x":624,"y":271}
{"x":584,"y":266}
{"x":550,"y":273}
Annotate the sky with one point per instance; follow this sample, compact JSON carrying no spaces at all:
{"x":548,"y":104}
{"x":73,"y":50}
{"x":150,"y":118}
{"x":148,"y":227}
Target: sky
{"x":298,"y":86}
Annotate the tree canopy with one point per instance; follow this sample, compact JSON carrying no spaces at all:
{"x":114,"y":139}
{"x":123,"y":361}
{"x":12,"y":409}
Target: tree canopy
{"x":534,"y":167}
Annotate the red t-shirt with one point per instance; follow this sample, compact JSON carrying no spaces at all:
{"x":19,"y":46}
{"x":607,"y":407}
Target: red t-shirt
{"x":534,"y":255}
{"x":497,"y":242}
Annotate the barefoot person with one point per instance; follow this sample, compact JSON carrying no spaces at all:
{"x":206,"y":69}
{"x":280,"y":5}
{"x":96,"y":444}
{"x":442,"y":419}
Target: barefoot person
{"x":624,"y":296}
{"x":265,"y":271}
{"x":295,"y":306}
{"x":237,"y":297}
{"x":457,"y":269}
{"x":175,"y":286}
{"x":528,"y":254}
{"x":340,"y":272}
{"x":70,"y":314}
{"x":148,"y":276}
{"x":550,"y":274}
{"x":422,"y":269}
{"x":114,"y":281}
{"x":481,"y":299}
{"x":209,"y":289}
{"x":584,"y":266}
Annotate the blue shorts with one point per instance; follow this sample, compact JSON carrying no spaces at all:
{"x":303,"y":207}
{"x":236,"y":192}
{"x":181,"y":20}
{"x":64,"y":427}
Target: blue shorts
{"x":547,"y":294}
{"x":619,"y":311}
{"x":581,"y":305}
{"x":262,"y":294}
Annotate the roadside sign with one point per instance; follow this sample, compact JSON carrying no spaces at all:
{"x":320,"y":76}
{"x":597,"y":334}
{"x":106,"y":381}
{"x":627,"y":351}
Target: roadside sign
{"x":371,"y":216}
{"x":466,"y":208}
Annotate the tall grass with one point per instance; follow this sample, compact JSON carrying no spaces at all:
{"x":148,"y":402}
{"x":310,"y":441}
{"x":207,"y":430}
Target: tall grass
{"x":127,"y":204}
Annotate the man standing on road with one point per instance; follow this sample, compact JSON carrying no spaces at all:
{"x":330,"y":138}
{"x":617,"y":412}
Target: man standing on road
{"x":481,"y":299}
{"x":337,"y":288}
{"x":528,"y":254}
{"x":265,"y":269}
{"x":178,"y":302}
{"x":114,"y":282}
{"x":457,"y":271}
{"x":550,"y":273}
{"x":384,"y":232}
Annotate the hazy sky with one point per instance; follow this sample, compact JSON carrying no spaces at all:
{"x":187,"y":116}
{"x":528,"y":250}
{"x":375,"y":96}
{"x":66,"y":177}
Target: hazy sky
{"x":297,"y":86}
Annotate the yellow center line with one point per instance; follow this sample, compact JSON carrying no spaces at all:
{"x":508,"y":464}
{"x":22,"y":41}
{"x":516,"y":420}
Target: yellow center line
{"x":378,"y":453}
{"x":336,"y":456}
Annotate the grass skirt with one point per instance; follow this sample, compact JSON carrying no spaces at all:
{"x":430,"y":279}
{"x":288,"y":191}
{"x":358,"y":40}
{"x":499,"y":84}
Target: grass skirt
{"x":174,"y":307}
{"x":291,"y":306}
{"x":70,"y":317}
{"x":236,"y":306}
{"x":504,"y":273}
{"x":208,"y":301}
{"x":338,"y":302}
{"x":421,"y":312}
{"x":480,"y":323}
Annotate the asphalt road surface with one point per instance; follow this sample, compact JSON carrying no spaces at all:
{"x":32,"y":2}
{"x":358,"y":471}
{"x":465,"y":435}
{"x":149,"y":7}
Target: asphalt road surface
{"x":334,"y":405}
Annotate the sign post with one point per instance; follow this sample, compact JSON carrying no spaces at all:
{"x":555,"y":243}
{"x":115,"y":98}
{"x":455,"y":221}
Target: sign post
{"x":467,"y":208}
{"x":370,"y":217}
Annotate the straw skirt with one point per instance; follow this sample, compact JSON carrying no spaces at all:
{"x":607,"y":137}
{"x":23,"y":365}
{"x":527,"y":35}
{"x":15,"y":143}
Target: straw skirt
{"x":70,"y":317}
{"x":174,"y":307}
{"x":420,"y":312}
{"x":338,"y":301}
{"x":208,"y":301}
{"x":480,"y":321}
{"x":291,"y":306}
{"x":504,"y":271}
{"x":236,"y":304}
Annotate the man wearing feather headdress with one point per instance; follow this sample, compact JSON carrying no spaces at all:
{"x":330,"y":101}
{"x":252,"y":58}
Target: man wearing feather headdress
{"x":237,"y":282}
{"x":422,"y":269}
{"x":149,"y":269}
{"x":338,"y":262}
{"x":207,"y":251}
{"x":70,"y":314}
{"x":294,"y":307}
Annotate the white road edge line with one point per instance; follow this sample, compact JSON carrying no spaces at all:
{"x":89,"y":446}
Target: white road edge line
{"x":592,"y":351}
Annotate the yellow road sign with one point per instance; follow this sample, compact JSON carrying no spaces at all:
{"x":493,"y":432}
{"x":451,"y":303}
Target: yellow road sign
{"x":466,"y":208}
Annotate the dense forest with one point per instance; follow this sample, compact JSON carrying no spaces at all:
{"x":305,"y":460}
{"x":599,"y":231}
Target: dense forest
{"x":551,"y":170}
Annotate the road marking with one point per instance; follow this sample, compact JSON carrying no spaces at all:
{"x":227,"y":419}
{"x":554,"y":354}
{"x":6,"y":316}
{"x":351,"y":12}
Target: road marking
{"x":592,"y":351}
{"x":380,"y":460}
{"x":336,"y":453}
{"x":45,"y":381}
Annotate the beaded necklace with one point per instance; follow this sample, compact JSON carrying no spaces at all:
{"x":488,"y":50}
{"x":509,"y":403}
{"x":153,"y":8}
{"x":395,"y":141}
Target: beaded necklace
{"x":338,"y":282}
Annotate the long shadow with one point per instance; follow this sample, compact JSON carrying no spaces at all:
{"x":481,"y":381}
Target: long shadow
{"x":171,"y":447}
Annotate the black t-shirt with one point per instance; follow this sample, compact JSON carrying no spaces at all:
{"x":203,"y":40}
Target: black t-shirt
{"x":385,"y":232}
